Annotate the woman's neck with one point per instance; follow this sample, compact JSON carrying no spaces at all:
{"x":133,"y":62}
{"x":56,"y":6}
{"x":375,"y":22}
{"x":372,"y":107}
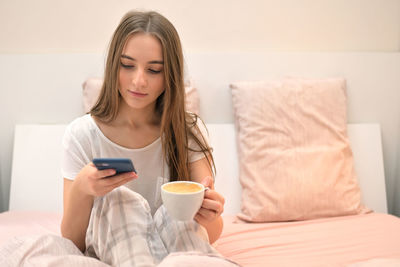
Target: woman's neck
{"x":137,"y":118}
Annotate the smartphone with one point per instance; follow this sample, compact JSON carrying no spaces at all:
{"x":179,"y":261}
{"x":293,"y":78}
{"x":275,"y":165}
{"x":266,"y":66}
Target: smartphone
{"x":120,"y":165}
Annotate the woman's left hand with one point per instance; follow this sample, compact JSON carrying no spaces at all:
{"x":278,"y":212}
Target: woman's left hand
{"x":213,"y":203}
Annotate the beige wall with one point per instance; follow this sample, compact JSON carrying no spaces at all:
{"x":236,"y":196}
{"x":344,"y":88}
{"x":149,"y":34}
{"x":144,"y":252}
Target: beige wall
{"x":70,"y":26}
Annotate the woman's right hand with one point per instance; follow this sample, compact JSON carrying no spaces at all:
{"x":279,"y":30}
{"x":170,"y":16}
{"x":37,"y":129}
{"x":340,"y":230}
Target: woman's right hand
{"x":93,"y":182}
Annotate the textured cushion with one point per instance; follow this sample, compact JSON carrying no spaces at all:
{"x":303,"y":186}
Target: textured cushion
{"x":295,"y":159}
{"x":91,"y":91}
{"x":192,"y":100}
{"x":92,"y":87}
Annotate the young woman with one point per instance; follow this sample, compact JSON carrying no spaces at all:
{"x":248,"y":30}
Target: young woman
{"x":140,"y":114}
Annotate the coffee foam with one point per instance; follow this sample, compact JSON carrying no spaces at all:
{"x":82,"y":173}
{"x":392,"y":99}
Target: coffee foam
{"x":182,"y":187}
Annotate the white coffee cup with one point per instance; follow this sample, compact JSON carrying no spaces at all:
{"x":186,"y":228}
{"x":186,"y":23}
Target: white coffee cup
{"x":182,"y":199}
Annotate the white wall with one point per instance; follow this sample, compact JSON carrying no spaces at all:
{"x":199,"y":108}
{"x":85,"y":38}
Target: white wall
{"x":29,"y":28}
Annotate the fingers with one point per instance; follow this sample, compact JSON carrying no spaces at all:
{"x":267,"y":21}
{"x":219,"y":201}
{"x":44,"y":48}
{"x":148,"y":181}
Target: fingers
{"x":208,"y":181}
{"x":119,"y":183}
{"x":118,"y":179}
{"x":104,"y":173}
{"x":98,"y":174}
{"x":208,"y":215}
{"x":212,"y":206}
{"x":100,"y":187}
{"x":214,"y":195}
{"x":109,"y":175}
{"x":103,"y":181}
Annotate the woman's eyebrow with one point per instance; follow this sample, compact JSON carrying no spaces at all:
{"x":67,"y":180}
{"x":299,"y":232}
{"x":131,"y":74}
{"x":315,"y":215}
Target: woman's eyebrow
{"x":150,"y":62}
{"x":127,"y":57}
{"x":156,"y":62}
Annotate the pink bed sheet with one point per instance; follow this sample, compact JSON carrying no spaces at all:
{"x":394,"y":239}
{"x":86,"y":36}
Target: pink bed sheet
{"x":338,"y":241}
{"x":21,"y":223}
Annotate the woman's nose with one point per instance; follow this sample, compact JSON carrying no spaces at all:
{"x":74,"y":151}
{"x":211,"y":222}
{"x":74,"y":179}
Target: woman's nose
{"x":139,"y":78}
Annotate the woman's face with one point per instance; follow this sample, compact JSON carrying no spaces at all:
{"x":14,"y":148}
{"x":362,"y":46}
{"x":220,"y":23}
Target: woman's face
{"x":141,"y":74}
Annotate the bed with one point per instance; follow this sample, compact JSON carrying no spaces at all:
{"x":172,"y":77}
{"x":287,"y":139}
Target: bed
{"x":367,"y":239}
{"x":338,"y":241}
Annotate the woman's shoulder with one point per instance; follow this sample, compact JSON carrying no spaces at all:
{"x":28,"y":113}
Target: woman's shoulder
{"x":81,"y":127}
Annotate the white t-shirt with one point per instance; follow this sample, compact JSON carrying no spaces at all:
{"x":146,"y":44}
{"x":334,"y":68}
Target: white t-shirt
{"x":83,"y":141}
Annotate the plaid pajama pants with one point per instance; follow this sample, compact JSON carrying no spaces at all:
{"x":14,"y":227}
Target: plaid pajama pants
{"x":122,"y":232}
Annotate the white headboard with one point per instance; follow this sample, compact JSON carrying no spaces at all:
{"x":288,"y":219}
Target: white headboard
{"x":55,"y":92}
{"x":37,"y":183}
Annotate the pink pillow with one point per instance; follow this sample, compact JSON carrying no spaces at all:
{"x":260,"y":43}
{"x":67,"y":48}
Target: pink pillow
{"x":192,"y":100}
{"x":91,"y":91}
{"x":92,"y":87}
{"x":295,"y":159}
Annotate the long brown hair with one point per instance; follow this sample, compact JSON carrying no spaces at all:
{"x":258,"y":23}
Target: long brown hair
{"x":177,"y":125}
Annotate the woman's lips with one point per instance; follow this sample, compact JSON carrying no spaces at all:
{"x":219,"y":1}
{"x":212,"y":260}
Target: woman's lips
{"x":137,"y":94}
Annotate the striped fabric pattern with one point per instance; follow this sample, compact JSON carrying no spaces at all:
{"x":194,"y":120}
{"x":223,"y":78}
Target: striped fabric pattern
{"x":122,"y":232}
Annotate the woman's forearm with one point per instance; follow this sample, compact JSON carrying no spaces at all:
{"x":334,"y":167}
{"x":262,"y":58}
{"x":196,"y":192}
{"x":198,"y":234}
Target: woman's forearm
{"x":77,"y":209}
{"x":214,"y":229}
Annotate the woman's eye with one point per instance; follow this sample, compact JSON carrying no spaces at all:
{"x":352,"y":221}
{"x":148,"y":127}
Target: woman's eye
{"x":126,"y":66}
{"x":154,"y":71}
